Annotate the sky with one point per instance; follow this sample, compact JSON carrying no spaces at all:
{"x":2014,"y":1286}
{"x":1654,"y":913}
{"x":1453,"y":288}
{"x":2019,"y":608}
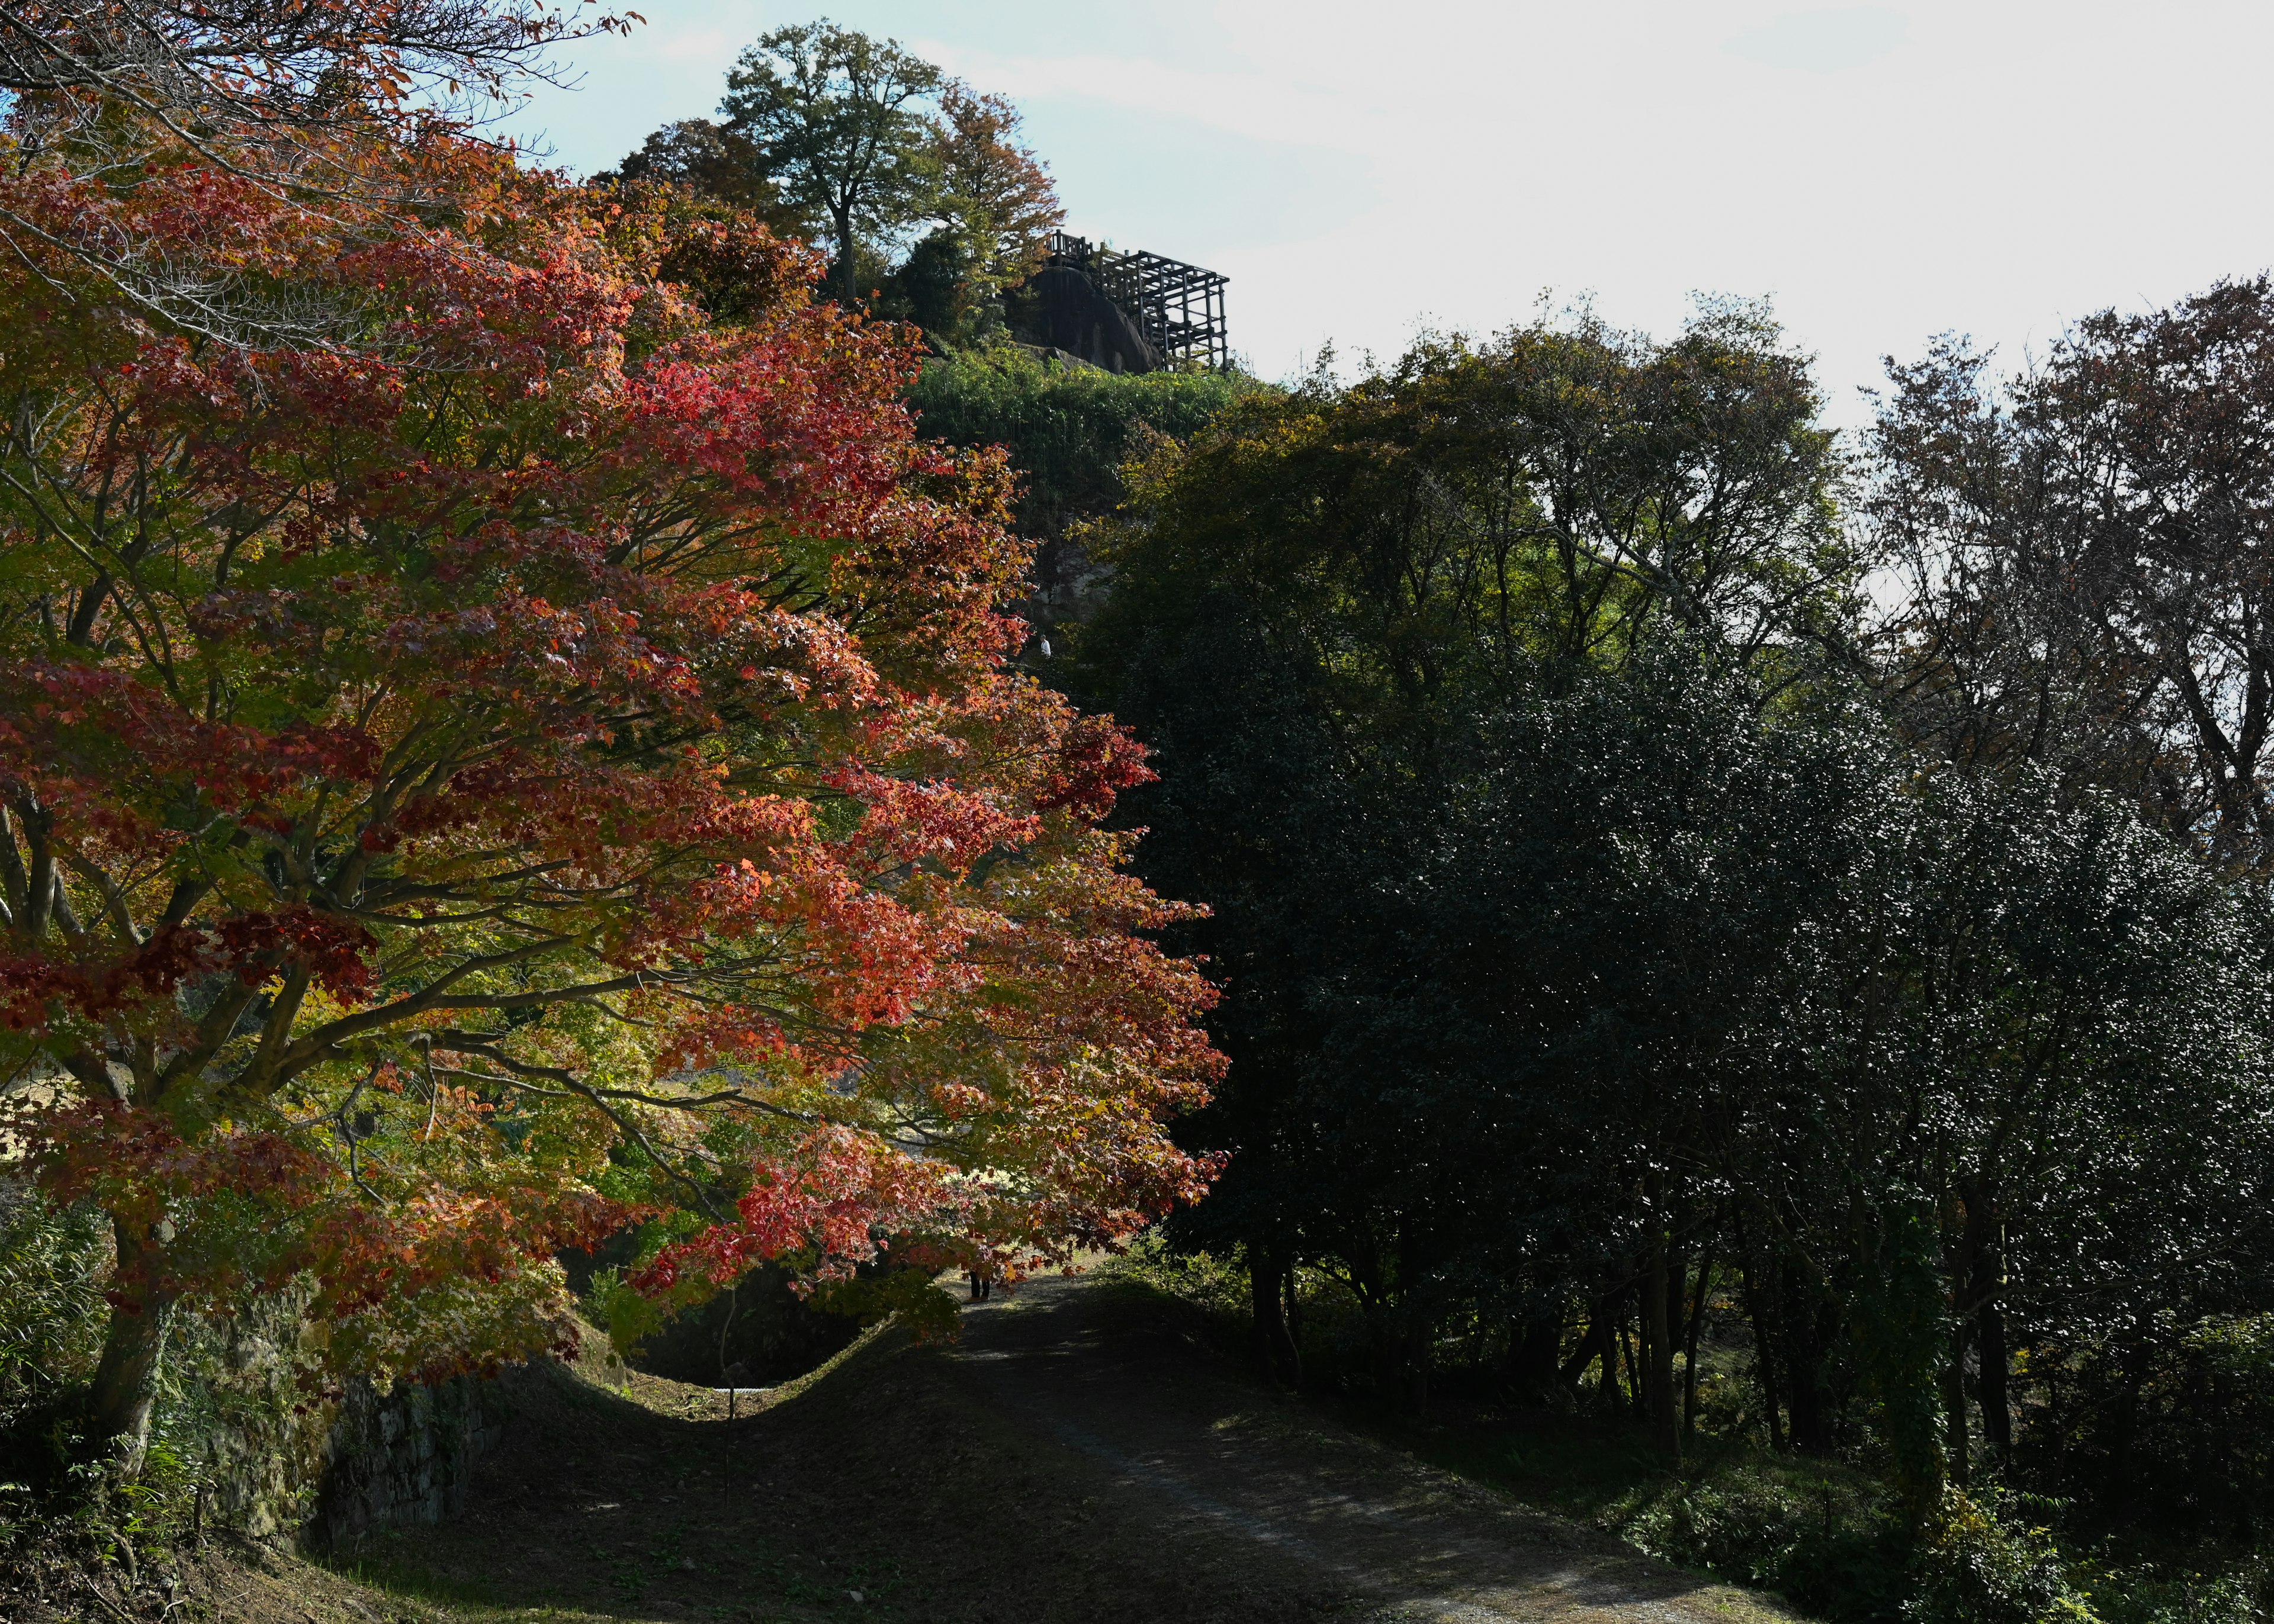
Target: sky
{"x":1361,"y":169}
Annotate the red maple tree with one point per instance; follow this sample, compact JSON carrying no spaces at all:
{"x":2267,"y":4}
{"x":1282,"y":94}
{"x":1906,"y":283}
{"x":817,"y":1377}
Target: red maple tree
{"x":527,"y":755}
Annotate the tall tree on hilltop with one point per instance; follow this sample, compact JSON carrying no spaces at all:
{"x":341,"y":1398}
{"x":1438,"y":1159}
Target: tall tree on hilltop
{"x":841,"y":120}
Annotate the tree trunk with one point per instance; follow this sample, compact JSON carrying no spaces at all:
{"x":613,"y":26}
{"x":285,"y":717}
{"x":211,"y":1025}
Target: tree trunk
{"x":1989,"y":1352}
{"x":1275,"y":1351}
{"x":1386,"y":1337}
{"x":848,"y":275}
{"x":1954,"y":1406}
{"x":1690,"y":1348}
{"x":1532,"y":1349}
{"x":133,"y":1348}
{"x":1996,"y":1407}
{"x":1593,"y":1344}
{"x":1420,"y":1314}
{"x":1627,"y":1349}
{"x":1809,"y":1329}
{"x":1756,"y":1311}
{"x":1657,"y":1337}
{"x":1962,"y":1268}
{"x":1421,"y":1342}
{"x":1614,"y":1330}
{"x":2123,"y":1430}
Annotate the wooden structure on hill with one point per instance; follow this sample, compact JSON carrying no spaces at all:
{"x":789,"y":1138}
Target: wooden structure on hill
{"x":1128,"y":312}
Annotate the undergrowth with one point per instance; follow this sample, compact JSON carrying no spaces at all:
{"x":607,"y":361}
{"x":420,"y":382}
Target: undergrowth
{"x":64,"y":1514}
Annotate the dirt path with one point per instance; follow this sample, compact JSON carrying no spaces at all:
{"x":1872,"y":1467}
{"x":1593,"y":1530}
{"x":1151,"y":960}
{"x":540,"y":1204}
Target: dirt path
{"x":1079,"y":1456}
{"x":1206,"y":1450}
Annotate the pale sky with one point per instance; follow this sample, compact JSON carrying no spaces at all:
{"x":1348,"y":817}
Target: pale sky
{"x":1881,"y":173}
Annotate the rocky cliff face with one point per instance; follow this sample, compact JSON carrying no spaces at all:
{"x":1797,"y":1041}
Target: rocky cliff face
{"x":1060,"y":308}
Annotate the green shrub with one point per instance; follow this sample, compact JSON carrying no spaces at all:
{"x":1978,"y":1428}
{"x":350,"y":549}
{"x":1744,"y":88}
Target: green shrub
{"x":53,"y":1263}
{"x":1216,"y":1286}
{"x":1830,"y":1544}
{"x":1069,"y":428}
{"x":56,"y":1505}
{"x":2146,"y":1594}
{"x":1977,"y":1564}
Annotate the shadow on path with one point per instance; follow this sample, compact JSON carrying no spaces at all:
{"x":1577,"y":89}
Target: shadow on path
{"x":1102,"y":1371}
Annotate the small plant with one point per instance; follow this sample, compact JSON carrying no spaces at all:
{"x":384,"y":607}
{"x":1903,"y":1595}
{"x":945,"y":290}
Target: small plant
{"x":2149,"y":1594}
{"x":1215,"y":1285}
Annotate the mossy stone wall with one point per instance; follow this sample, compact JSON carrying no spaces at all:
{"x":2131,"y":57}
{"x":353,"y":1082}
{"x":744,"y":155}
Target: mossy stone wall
{"x":285,"y":1461}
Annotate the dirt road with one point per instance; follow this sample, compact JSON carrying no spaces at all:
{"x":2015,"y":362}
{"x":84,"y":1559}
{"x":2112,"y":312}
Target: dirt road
{"x":1079,"y":1456}
{"x":1203,"y":1452}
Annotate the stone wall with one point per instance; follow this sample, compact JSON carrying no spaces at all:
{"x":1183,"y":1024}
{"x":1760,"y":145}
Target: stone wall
{"x":404,"y":1459}
{"x":286,"y":1462}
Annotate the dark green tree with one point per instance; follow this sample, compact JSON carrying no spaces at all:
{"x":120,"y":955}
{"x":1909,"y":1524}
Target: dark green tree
{"x":1588,"y":932}
{"x":709,"y":161}
{"x":1332,"y":611}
